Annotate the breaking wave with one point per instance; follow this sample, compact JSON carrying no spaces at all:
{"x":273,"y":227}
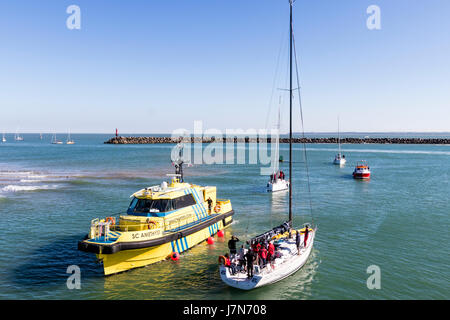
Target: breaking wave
{"x":17,"y":188}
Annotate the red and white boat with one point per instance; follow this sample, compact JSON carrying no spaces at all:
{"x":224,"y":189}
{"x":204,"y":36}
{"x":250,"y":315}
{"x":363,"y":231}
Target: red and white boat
{"x":362,"y":170}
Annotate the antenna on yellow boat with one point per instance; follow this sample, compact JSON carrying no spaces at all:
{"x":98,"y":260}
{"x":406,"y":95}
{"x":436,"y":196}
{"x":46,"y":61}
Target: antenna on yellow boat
{"x":178,"y":161}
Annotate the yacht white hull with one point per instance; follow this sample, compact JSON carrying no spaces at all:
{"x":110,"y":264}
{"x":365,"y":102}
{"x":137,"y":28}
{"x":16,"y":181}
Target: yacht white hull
{"x":281,"y":268}
{"x":278,"y":185}
{"x":340,"y":162}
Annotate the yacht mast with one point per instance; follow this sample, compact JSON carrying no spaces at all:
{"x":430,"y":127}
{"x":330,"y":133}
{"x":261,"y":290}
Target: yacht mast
{"x":290,"y":114}
{"x":339,"y":138}
{"x":276,"y":158}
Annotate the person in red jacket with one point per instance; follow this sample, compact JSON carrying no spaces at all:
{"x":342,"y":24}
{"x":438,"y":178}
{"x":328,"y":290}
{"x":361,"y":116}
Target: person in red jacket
{"x":263,"y":254}
{"x":306,"y":235}
{"x":257,"y":252}
{"x":270,"y":251}
{"x":227,"y":260}
{"x":230,"y":265}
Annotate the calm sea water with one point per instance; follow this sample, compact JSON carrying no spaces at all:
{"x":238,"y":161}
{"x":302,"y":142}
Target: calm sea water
{"x":399,"y":221}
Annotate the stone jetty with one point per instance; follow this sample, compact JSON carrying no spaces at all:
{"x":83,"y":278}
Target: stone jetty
{"x":161,"y":140}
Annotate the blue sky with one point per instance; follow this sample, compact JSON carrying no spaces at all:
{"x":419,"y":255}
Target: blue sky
{"x":155,"y":66}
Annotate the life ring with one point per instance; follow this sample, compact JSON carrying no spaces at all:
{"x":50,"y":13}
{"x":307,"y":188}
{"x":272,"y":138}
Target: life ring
{"x":222,"y":260}
{"x":111,"y":220}
{"x":152,"y":224}
{"x":217,"y":208}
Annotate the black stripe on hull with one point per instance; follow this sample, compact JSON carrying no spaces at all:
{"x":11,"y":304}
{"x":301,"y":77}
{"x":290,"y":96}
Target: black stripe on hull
{"x":116,"y":247}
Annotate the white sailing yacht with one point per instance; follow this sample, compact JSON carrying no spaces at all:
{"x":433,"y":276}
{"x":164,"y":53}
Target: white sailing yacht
{"x":70,"y":141}
{"x":288,"y":258}
{"x":3,"y":137}
{"x":17,"y":136}
{"x":277,"y":180}
{"x":54,"y":141}
{"x":339,"y":159}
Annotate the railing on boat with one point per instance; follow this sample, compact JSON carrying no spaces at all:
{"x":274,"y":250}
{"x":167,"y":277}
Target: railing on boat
{"x":102,"y":228}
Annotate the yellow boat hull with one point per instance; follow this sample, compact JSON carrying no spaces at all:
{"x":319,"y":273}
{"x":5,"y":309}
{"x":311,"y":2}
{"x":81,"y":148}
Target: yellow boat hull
{"x":135,"y":258}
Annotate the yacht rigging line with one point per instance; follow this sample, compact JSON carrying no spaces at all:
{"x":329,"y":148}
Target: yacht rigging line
{"x":274,"y":81}
{"x":303,"y":128}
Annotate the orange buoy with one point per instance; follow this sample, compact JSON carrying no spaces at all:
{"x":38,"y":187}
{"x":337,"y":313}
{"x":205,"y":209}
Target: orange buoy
{"x":220,"y":233}
{"x":174,"y":256}
{"x":210,"y":240}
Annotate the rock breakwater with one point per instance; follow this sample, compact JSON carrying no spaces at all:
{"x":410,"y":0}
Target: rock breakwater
{"x":162,"y":140}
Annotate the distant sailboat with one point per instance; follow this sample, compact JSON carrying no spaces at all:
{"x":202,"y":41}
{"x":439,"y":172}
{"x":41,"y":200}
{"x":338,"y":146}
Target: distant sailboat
{"x":69,"y":141}
{"x":54,"y":141}
{"x":3,"y":138}
{"x":18,"y":137}
{"x":339,"y":159}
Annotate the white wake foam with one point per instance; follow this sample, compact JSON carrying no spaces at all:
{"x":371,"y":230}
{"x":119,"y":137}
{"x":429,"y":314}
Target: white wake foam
{"x":17,"y":188}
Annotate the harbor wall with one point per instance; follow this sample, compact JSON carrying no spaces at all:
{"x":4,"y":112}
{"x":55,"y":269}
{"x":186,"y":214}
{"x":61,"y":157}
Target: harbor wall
{"x":162,"y":140}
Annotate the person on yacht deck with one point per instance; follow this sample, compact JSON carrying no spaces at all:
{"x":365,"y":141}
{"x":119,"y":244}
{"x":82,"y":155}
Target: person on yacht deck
{"x":306,"y":235}
{"x":256,"y":251}
{"x":263,"y":254}
{"x":229,"y":264}
{"x":271,"y":251}
{"x":249,"y":256}
{"x":232,"y":245}
{"x":241,"y":257}
{"x":297,"y":241}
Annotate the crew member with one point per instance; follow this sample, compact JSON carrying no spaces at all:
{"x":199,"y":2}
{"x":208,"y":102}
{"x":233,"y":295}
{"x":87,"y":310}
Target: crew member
{"x":263,"y":254}
{"x":306,"y":235}
{"x":271,"y":251}
{"x":209,"y":205}
{"x":297,"y":241}
{"x":232,"y":245}
{"x":249,"y":256}
{"x":241,"y":257}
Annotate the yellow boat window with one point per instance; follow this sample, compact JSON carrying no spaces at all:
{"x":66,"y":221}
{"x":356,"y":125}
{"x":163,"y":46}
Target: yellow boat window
{"x":144,"y":206}
{"x":184,"y":201}
{"x":157,"y":207}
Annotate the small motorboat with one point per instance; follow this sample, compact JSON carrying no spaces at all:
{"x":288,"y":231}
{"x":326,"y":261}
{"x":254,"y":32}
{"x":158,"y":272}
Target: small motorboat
{"x":362,"y":170}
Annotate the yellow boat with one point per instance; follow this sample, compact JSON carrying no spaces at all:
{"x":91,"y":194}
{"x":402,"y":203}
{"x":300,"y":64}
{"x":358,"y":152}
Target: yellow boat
{"x":160,"y":221}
